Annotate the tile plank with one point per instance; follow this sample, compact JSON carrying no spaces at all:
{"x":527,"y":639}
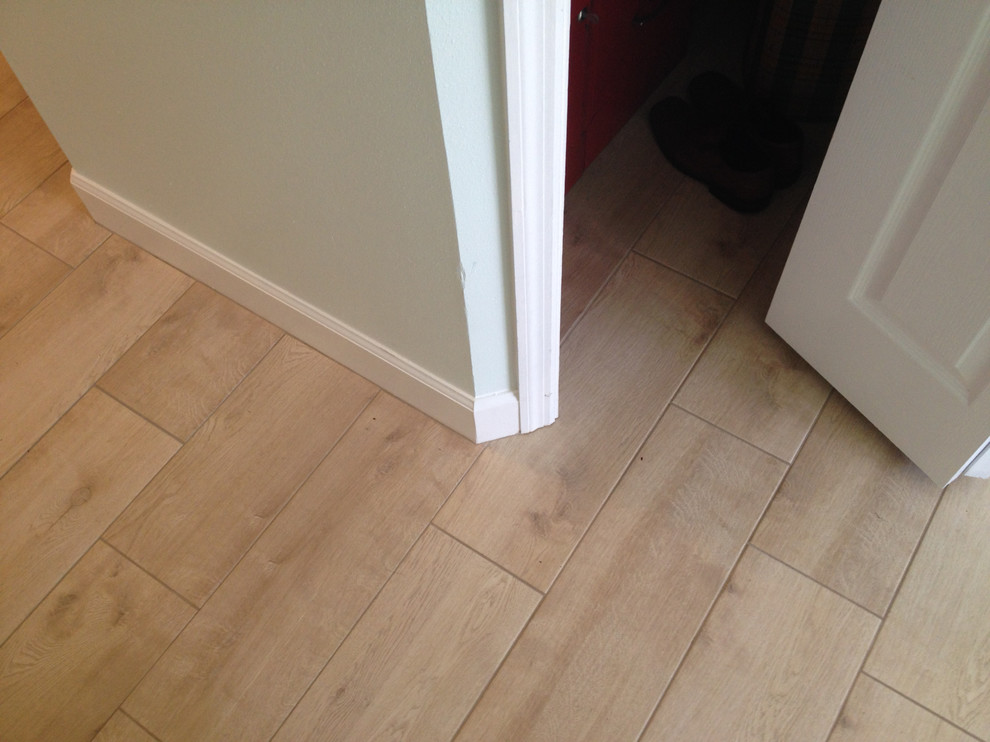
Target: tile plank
{"x":702,"y":238}
{"x":935,"y":644}
{"x":249,"y":655}
{"x":621,"y":191}
{"x":54,"y":219}
{"x":446,"y":609}
{"x":56,"y":352}
{"x":28,"y":151}
{"x":851,"y":511}
{"x":58,"y":499}
{"x":27,"y":274}
{"x":749,"y":381}
{"x":607,"y":210}
{"x":67,"y":668}
{"x":774,"y":660}
{"x":189,"y":361}
{"x":875,"y":713}
{"x":602,"y":647}
{"x":122,"y":728}
{"x":196,"y":519}
{"x":529,"y":498}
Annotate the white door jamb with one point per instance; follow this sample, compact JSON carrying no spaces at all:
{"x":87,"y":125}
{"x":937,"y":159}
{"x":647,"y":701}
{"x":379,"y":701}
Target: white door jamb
{"x":536,"y":48}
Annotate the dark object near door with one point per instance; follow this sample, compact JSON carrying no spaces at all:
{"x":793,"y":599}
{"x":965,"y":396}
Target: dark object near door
{"x":620,"y":51}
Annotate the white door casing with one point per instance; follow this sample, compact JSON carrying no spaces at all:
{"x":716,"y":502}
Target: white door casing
{"x":887,"y":290}
{"x":536,"y":56}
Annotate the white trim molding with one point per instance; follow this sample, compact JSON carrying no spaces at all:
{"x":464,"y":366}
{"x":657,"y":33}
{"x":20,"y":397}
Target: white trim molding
{"x":536,"y":54}
{"x":479,"y":419}
{"x":979,"y":466}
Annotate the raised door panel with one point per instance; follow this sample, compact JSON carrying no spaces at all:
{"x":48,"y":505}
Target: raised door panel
{"x":885,"y":291}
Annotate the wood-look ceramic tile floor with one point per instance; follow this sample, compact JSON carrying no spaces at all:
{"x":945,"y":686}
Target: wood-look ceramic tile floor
{"x":210,"y":531}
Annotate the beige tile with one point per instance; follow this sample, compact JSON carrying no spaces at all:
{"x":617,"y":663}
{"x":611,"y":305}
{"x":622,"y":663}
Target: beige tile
{"x":851,"y":511}
{"x":775,"y":660}
{"x":28,"y":152}
{"x":699,"y":236}
{"x":56,"y":352}
{"x":447,"y":609}
{"x":602,"y":647}
{"x":11,"y":92}
{"x":749,"y":381}
{"x":607,"y":210}
{"x":935,"y":644}
{"x":620,"y":193}
{"x":27,"y":274}
{"x":54,"y":218}
{"x":248,"y":657}
{"x":121,"y":728}
{"x":186,"y":365}
{"x":67,"y":668}
{"x":196,"y":519}
{"x":875,"y":713}
{"x":58,"y":499}
{"x":528,"y":499}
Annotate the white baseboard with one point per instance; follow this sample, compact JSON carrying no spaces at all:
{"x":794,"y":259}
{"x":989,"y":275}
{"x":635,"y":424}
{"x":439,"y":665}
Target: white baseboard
{"x":480,"y":419}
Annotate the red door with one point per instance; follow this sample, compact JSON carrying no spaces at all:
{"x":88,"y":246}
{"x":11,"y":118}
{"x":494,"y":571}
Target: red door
{"x":620,"y":51}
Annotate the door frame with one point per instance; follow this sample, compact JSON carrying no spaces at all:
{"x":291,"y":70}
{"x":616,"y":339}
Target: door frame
{"x":536,"y":39}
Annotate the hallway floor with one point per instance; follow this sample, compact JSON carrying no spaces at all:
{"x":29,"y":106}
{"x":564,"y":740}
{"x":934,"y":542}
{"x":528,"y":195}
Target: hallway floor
{"x":210,"y":531}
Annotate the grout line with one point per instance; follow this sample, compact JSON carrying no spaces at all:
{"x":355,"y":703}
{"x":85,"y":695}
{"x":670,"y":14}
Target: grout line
{"x":859,"y":671}
{"x":883,"y":619}
{"x":144,"y":418}
{"x":161,"y":582}
{"x":95,"y":382}
{"x":72,"y":566}
{"x":563,"y":566}
{"x":142,"y":726}
{"x":662,"y":410}
{"x":595,"y":296}
{"x":292,"y":495}
{"x":15,"y":104}
{"x":618,"y":264}
{"x":913,"y":702}
{"x":98,"y":538}
{"x":68,"y":266}
{"x":820,"y":584}
{"x":646,"y":437}
{"x":742,"y":550}
{"x":691,"y":644}
{"x":501,"y":567}
{"x":728,"y":432}
{"x":219,"y":404}
{"x":251,"y":546}
{"x":48,"y":252}
{"x":371,"y":602}
{"x":508,"y":652}
{"x":43,"y":180}
{"x":730,"y":574}
{"x":695,"y":279}
{"x":47,"y":430}
{"x":179,"y":633}
{"x":914,"y":553}
{"x":350,"y":630}
{"x":385,"y":581}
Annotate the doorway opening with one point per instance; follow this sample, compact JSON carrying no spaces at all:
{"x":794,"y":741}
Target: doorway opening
{"x":617,"y":206}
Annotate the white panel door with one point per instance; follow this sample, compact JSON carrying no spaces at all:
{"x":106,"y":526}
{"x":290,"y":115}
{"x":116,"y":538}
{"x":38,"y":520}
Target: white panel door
{"x":887,"y":289}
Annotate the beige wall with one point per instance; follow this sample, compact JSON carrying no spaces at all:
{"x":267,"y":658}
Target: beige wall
{"x":302,"y":140}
